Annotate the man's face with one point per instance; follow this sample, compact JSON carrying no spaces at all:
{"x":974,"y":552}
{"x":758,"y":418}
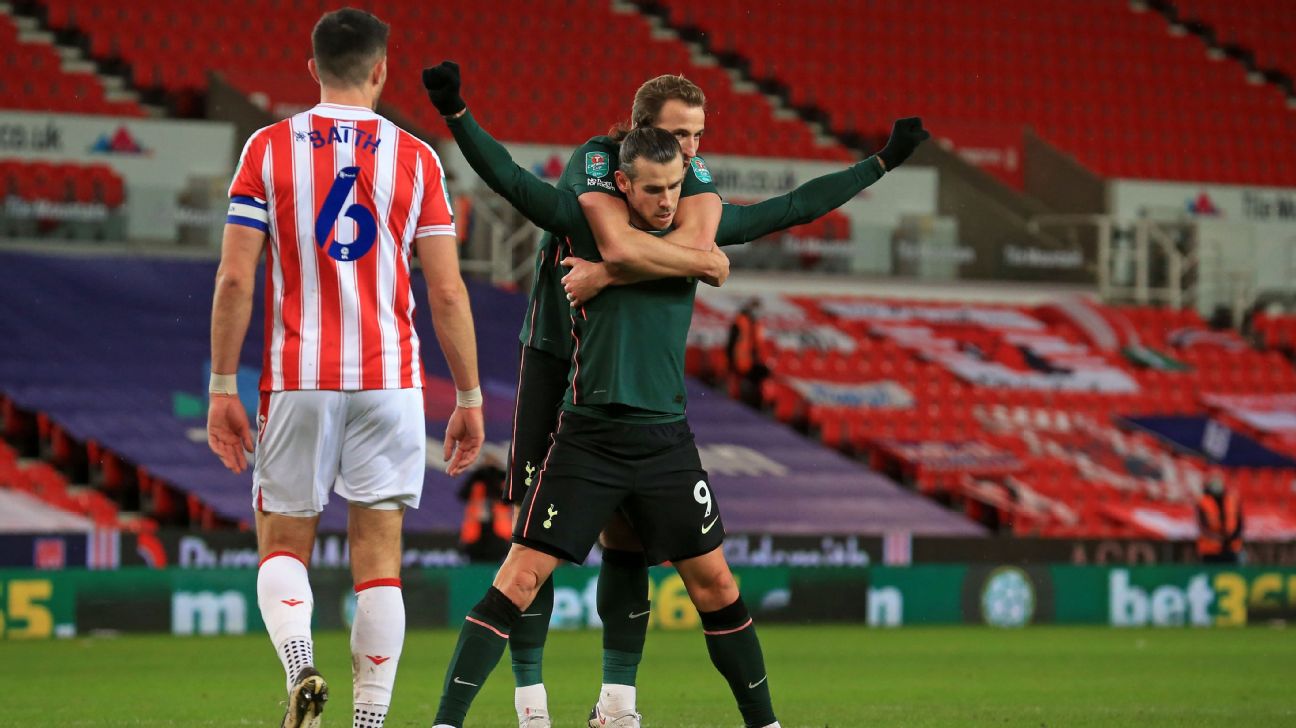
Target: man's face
{"x":686,"y":122}
{"x":653,"y":193}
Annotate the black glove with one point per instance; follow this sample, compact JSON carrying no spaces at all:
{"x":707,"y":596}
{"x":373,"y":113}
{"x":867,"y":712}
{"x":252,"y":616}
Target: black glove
{"x":442,"y":84}
{"x":906,"y":135}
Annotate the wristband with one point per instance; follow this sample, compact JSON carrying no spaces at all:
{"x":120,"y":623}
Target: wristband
{"x":468,"y":398}
{"x":223,"y":384}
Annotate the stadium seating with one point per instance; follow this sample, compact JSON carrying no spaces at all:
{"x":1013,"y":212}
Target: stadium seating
{"x":145,"y":328}
{"x":35,"y":80}
{"x":1110,"y":86}
{"x":893,"y":388}
{"x":594,"y":59}
{"x":1266,"y":27}
{"x":47,"y":485}
{"x":61,"y":182}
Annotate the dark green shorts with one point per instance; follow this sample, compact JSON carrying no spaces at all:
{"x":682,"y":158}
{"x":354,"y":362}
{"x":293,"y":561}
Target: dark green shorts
{"x":652,"y":473}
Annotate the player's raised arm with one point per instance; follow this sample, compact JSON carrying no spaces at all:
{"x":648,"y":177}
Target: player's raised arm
{"x":821,"y":195}
{"x":549,"y":208}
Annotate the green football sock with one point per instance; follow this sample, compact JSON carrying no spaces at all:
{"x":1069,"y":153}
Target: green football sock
{"x":623,"y":606}
{"x":481,"y":644}
{"x":527,"y":640}
{"x":736,"y":653}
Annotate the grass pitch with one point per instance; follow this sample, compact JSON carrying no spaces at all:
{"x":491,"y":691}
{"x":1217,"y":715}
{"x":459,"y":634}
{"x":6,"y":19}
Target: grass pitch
{"x":837,"y":677}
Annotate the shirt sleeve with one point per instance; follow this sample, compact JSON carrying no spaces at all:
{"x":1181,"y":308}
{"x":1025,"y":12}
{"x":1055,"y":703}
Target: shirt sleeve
{"x":552,"y":209}
{"x":590,"y":169}
{"x":247,"y":193}
{"x":810,"y":201}
{"x":698,"y":179}
{"x":435,"y":216}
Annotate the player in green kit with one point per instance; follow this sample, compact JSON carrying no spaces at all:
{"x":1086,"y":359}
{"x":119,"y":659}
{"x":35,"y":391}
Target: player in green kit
{"x":676,"y":104}
{"x":645,"y":391}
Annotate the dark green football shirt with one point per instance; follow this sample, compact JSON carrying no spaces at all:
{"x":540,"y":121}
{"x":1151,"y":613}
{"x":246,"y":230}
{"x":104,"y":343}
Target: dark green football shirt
{"x":547,"y":325}
{"x":627,"y":345}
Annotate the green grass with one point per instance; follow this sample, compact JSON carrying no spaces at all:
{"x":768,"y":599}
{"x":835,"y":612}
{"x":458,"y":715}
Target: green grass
{"x":843,"y":677}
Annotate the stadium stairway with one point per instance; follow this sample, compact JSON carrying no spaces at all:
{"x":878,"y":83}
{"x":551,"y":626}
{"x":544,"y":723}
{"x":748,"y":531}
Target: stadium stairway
{"x":1101,"y":79}
{"x":585,"y":45}
{"x":1256,"y":33}
{"x":46,"y":75}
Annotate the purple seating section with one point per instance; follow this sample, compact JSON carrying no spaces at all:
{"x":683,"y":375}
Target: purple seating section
{"x":100,"y":345}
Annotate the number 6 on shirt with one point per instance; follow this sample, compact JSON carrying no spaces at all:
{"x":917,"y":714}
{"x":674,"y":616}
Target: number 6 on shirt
{"x":367,"y":231}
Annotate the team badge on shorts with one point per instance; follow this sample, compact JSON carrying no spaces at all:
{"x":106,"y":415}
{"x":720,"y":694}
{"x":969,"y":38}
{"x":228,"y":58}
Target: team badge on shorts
{"x":700,"y":169}
{"x":596,"y":164}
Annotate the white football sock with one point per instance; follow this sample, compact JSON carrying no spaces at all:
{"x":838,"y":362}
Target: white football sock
{"x":377,"y":634}
{"x":284,"y":596}
{"x":368,"y":715}
{"x":531,"y":699}
{"x":617,"y":698}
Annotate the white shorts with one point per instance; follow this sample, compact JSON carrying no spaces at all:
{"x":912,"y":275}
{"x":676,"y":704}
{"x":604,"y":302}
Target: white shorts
{"x":369,"y":446}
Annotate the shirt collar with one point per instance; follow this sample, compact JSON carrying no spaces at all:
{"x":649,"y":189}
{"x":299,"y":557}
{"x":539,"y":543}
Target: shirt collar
{"x":340,"y":111}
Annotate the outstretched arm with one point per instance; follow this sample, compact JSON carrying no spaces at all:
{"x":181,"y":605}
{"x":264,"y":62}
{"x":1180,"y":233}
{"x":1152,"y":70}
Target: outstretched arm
{"x":540,"y":202}
{"x":810,"y":201}
{"x":821,"y":195}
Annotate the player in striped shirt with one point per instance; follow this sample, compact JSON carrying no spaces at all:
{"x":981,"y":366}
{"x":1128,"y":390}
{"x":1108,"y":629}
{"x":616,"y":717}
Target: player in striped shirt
{"x":341,"y":200}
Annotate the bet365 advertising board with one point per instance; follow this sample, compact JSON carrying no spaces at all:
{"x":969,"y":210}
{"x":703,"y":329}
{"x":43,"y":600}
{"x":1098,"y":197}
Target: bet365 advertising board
{"x":68,"y":603}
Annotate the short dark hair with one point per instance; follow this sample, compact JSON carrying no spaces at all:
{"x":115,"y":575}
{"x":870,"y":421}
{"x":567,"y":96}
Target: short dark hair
{"x":346,"y":44}
{"x":656,"y":145}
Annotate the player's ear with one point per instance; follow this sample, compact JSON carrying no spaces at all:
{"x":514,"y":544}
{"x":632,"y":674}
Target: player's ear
{"x":622,"y":182}
{"x":379,"y":75}
{"x":314,"y":72}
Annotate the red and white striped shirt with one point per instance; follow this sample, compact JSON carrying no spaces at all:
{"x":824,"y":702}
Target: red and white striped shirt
{"x":342,"y":194}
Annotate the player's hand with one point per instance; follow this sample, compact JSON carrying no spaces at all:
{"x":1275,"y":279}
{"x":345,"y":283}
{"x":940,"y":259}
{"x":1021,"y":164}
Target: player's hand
{"x":442,"y":84}
{"x":465,"y":434}
{"x":719,"y":268}
{"x":228,"y":433}
{"x":584,"y":281}
{"x":906,"y":135}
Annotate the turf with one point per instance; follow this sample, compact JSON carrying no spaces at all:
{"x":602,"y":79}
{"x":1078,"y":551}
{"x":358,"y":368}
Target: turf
{"x":841,"y":677}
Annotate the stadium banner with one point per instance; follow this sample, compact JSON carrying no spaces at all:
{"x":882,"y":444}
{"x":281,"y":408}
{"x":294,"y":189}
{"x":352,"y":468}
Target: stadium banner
{"x":183,"y":549}
{"x":1173,"y":596}
{"x":1136,"y":596}
{"x":1130,"y":200}
{"x":44,"y":604}
{"x":1212,"y":439}
{"x":773,"y":594}
{"x":48,"y":604}
{"x":95,"y":549}
{"x":972,"y":457}
{"x":885,"y":393}
{"x":1269,"y":413}
{"x":176,"y":173}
